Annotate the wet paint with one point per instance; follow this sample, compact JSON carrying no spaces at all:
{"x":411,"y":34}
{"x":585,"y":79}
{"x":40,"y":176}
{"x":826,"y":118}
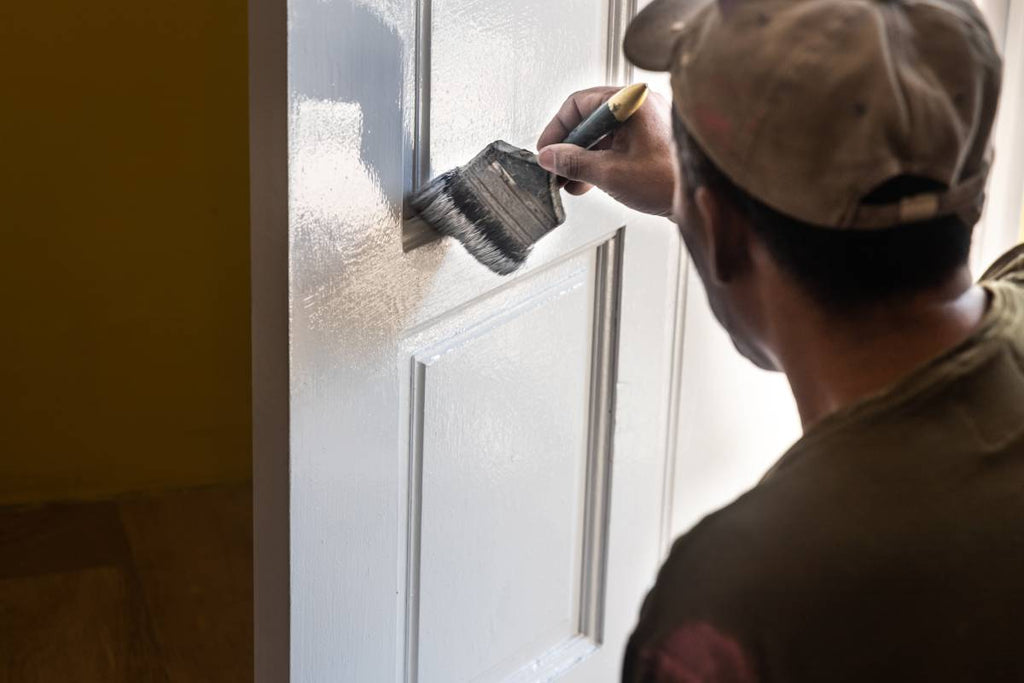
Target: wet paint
{"x":506,"y":405}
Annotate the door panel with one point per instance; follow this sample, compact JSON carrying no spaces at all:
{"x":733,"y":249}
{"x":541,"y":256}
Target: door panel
{"x":459,"y":476}
{"x":499,"y":69}
{"x":508,"y":482}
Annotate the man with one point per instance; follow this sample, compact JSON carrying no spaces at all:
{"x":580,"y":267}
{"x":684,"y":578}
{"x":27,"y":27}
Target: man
{"x":831,"y":157}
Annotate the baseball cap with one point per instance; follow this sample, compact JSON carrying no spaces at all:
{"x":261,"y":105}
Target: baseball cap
{"x":809,"y":105}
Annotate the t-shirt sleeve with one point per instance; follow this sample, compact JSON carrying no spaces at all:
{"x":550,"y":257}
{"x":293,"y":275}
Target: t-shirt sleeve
{"x":1008,"y":267}
{"x":687,"y":629}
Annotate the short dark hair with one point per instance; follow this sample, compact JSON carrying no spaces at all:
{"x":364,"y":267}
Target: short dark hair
{"x":843,"y":269}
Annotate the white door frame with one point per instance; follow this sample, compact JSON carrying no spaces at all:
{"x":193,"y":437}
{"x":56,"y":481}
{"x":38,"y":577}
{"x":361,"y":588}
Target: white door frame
{"x":284,"y":550}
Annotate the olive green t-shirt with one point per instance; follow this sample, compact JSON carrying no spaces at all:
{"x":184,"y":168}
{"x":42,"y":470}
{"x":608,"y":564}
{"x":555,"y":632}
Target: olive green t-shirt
{"x":886,"y":545}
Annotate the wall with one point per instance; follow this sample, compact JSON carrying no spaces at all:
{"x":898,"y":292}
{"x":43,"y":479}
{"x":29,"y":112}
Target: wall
{"x":124,"y":351}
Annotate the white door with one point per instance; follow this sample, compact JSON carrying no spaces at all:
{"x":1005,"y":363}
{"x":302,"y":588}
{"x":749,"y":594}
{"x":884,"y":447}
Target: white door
{"x":458,"y":476}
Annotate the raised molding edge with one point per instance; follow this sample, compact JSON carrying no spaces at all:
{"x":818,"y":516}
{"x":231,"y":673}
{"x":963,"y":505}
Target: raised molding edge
{"x":421,"y":130}
{"x":414,"y":521}
{"x":603,"y":378}
{"x":620,"y":13}
{"x":674,"y":402}
{"x":416,"y":233}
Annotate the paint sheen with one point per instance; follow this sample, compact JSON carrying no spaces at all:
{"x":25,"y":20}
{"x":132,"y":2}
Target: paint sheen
{"x":356,"y":300}
{"x":125,"y":288}
{"x":512,"y":592}
{"x":495,"y":59}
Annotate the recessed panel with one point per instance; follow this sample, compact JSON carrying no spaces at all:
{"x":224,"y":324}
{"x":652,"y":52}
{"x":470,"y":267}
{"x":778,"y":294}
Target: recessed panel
{"x":501,"y":68}
{"x":503,"y":492}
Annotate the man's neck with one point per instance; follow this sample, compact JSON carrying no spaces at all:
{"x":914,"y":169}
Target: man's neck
{"x":832,"y":360}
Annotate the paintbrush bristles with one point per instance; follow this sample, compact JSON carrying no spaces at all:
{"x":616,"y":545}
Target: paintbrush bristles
{"x":437,"y":205}
{"x":498,"y":205}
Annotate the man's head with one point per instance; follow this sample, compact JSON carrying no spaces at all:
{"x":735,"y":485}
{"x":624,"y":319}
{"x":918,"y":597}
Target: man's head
{"x":842,"y":272}
{"x":838,"y":146}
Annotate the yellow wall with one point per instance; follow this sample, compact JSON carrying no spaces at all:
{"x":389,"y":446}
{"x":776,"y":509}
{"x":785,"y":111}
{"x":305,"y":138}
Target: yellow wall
{"x":124,"y":343}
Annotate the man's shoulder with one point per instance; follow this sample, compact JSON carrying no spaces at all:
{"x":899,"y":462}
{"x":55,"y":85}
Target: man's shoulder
{"x":729,"y":551}
{"x":704,"y":611}
{"x":719,"y":570}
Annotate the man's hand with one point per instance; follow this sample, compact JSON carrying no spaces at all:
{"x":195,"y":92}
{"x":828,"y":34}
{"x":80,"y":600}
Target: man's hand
{"x":634,"y":164}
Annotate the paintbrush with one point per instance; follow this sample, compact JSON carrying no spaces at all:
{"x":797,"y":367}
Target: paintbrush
{"x":501,"y":202}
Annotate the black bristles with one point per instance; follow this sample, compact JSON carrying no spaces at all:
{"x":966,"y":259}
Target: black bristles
{"x":453,"y":210}
{"x":498,"y":205}
{"x":484,"y":221}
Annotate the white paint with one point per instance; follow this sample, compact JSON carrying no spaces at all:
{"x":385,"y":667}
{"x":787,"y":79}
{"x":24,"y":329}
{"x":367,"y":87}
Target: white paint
{"x":502,"y":509}
{"x":478,"y":64}
{"x":366,"y":356}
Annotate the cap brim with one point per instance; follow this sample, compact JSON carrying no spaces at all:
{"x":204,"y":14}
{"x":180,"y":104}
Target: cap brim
{"x":651,"y":37}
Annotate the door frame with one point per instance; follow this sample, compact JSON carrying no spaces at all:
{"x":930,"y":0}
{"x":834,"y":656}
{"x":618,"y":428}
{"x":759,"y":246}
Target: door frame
{"x":269,"y":252}
{"x":271,"y":317}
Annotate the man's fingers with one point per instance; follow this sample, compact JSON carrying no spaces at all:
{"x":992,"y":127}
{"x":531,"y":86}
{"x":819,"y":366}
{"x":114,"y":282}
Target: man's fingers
{"x":578,"y":188}
{"x":574,"y":163}
{"x":573,"y":110}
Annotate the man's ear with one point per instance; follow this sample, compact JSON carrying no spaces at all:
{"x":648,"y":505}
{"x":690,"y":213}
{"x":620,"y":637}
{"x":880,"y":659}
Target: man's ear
{"x":727,"y":236}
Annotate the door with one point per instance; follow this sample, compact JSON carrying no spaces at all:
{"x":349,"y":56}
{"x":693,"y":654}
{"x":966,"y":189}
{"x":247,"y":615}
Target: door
{"x":458,"y":476}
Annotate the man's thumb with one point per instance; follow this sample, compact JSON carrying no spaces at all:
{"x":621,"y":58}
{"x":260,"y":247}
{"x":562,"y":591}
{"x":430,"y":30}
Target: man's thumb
{"x":570,"y":161}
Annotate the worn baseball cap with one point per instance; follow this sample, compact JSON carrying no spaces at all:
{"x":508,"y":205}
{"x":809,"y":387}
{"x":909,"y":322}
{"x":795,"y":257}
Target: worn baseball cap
{"x":809,"y":105}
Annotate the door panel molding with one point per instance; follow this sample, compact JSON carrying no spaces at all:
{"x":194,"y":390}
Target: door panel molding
{"x":599,"y":269}
{"x":620,"y":13}
{"x":603,"y":378}
{"x":674,"y":403}
{"x":420,"y":166}
{"x":340,"y":310}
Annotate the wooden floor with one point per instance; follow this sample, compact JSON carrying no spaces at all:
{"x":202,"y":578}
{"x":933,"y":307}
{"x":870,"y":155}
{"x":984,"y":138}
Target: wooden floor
{"x":149,"y":589}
